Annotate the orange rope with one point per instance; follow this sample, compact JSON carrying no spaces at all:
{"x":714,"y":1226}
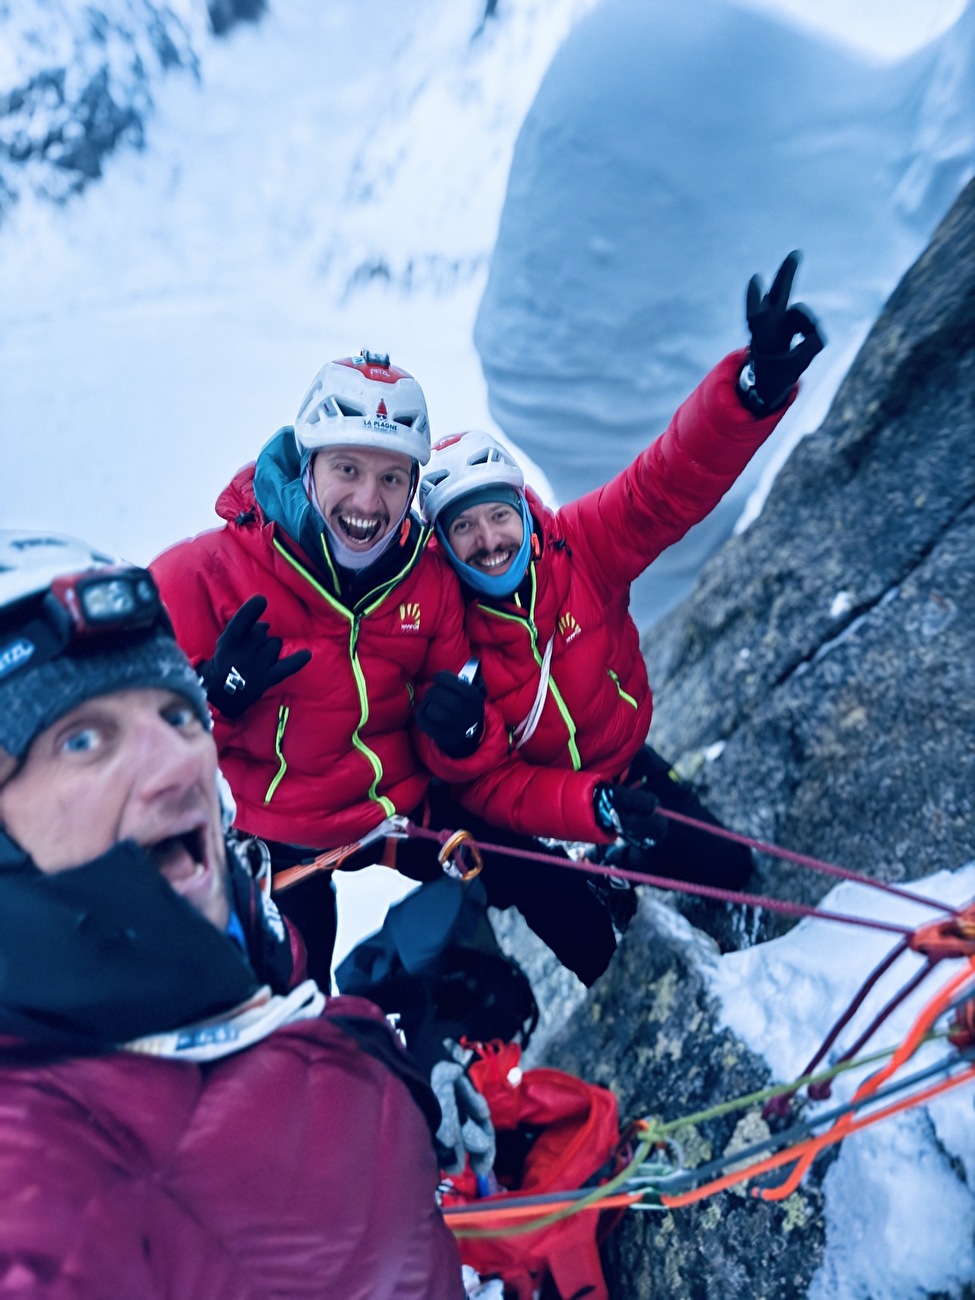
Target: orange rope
{"x":801,"y":1154}
{"x":908,"y":1047}
{"x":819,"y":1143}
{"x":624,"y":1200}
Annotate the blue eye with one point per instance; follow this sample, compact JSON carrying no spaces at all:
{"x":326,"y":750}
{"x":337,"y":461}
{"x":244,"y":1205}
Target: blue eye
{"x":180,"y":715}
{"x":81,"y":742}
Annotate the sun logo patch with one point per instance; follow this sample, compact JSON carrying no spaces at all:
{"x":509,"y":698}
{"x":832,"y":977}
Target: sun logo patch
{"x":409,"y":617}
{"x":568,"y":626}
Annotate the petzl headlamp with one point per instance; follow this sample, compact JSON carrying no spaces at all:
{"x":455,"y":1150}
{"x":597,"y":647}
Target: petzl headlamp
{"x":77,"y":610}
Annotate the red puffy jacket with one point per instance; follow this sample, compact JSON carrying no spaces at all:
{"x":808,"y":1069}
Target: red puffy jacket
{"x":330,"y":752}
{"x":299,"y":1168}
{"x":598,"y":705}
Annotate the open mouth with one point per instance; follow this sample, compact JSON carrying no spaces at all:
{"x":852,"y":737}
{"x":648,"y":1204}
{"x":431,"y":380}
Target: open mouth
{"x":180,"y":858}
{"x":496,"y":562}
{"x":361,"y":530}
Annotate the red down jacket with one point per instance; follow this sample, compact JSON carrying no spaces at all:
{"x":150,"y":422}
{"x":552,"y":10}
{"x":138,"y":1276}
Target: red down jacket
{"x":598,"y":704}
{"x":330,"y":752}
{"x":298,"y":1169}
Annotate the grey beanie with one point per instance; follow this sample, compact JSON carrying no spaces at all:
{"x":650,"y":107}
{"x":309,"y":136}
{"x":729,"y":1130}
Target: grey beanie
{"x":32,"y":699}
{"x":502,"y":493}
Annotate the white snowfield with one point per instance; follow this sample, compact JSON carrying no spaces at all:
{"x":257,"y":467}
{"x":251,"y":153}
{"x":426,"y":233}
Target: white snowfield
{"x":334,"y":177}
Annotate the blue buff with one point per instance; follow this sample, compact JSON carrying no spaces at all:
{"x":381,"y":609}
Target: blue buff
{"x":505,"y":584}
{"x":235,"y":931}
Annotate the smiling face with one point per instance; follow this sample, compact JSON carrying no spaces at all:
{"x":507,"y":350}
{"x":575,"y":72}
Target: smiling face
{"x":487,"y":536}
{"x":135,"y":765}
{"x":362,"y":492}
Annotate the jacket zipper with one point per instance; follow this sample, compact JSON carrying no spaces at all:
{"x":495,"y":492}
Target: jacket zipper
{"x":623,"y":695}
{"x":284,"y":712}
{"x":355,"y":618}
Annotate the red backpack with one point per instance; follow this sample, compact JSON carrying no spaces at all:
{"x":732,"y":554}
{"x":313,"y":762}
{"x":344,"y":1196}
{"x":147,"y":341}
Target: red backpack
{"x":554,"y":1132}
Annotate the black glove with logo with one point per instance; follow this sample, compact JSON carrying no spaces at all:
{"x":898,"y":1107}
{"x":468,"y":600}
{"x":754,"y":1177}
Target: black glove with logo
{"x":246,"y":662}
{"x":774,"y":365}
{"x":630,"y":813}
{"x":452,"y":715}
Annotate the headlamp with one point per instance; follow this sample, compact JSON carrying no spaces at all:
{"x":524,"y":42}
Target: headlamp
{"x":108,"y":600}
{"x":78,"y":609}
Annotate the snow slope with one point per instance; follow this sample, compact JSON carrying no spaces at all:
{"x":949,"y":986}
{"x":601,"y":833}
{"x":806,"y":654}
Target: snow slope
{"x":160,"y":329}
{"x":671,"y":152}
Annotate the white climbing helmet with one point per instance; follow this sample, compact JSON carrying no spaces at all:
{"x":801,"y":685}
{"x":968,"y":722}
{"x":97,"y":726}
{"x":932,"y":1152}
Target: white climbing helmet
{"x":363,"y":401}
{"x":465,"y":463}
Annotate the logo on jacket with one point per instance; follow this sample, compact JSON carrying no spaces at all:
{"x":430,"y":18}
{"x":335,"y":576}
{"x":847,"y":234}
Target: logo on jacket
{"x":569,"y":628}
{"x":409,"y":617}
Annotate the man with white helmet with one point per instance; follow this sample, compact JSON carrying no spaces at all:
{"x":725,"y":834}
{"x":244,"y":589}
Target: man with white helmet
{"x":182,"y":1114}
{"x":323,"y":626}
{"x":548,"y":607}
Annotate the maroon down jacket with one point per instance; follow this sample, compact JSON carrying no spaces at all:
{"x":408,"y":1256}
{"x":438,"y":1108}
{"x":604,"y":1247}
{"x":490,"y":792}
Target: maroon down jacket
{"x":299,"y":1168}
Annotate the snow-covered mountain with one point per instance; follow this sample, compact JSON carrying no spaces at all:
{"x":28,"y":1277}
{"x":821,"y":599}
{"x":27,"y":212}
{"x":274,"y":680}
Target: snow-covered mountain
{"x":76,"y":83}
{"x":670,"y":153}
{"x":330,"y":178}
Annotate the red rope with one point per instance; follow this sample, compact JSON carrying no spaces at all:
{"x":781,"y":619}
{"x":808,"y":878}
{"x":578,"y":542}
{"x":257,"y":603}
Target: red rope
{"x":782,"y":1105}
{"x":803,"y":860}
{"x":665,"y":882}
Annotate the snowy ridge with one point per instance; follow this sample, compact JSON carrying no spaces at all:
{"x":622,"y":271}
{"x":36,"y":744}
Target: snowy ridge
{"x":418,"y":218}
{"x":75,"y":81}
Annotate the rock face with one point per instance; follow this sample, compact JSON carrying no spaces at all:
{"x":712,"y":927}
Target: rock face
{"x":826,"y":655}
{"x":647,"y":1031}
{"x":820,"y":684}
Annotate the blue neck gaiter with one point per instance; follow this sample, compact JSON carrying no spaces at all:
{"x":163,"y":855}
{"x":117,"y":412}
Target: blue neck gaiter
{"x":502,"y":585}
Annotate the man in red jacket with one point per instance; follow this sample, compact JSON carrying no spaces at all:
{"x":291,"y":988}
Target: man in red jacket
{"x":548,"y":617}
{"x":324,"y":627}
{"x":181,"y":1114}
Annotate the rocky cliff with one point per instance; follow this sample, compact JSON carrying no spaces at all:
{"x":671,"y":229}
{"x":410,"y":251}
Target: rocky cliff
{"x":819,"y":686}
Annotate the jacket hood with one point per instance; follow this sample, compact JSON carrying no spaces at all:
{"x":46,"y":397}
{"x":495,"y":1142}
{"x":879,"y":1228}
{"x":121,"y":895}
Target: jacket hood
{"x":271,"y":490}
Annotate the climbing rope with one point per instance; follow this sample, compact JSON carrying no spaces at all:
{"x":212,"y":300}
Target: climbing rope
{"x":663,"y":1186}
{"x":655,"y":1185}
{"x":703,"y":891}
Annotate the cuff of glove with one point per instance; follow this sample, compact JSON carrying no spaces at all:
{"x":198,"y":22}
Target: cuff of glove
{"x":607,"y":818}
{"x":749,"y":398}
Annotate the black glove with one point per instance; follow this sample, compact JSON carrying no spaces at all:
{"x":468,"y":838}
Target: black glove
{"x":452,"y":715}
{"x":774,"y":365}
{"x":246,"y":661}
{"x":629,"y":813}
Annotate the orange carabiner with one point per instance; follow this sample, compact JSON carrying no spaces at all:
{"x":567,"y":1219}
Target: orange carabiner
{"x":457,"y":871}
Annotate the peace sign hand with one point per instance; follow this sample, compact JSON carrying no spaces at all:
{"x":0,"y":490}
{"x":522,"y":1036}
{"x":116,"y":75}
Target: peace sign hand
{"x":774,"y":364}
